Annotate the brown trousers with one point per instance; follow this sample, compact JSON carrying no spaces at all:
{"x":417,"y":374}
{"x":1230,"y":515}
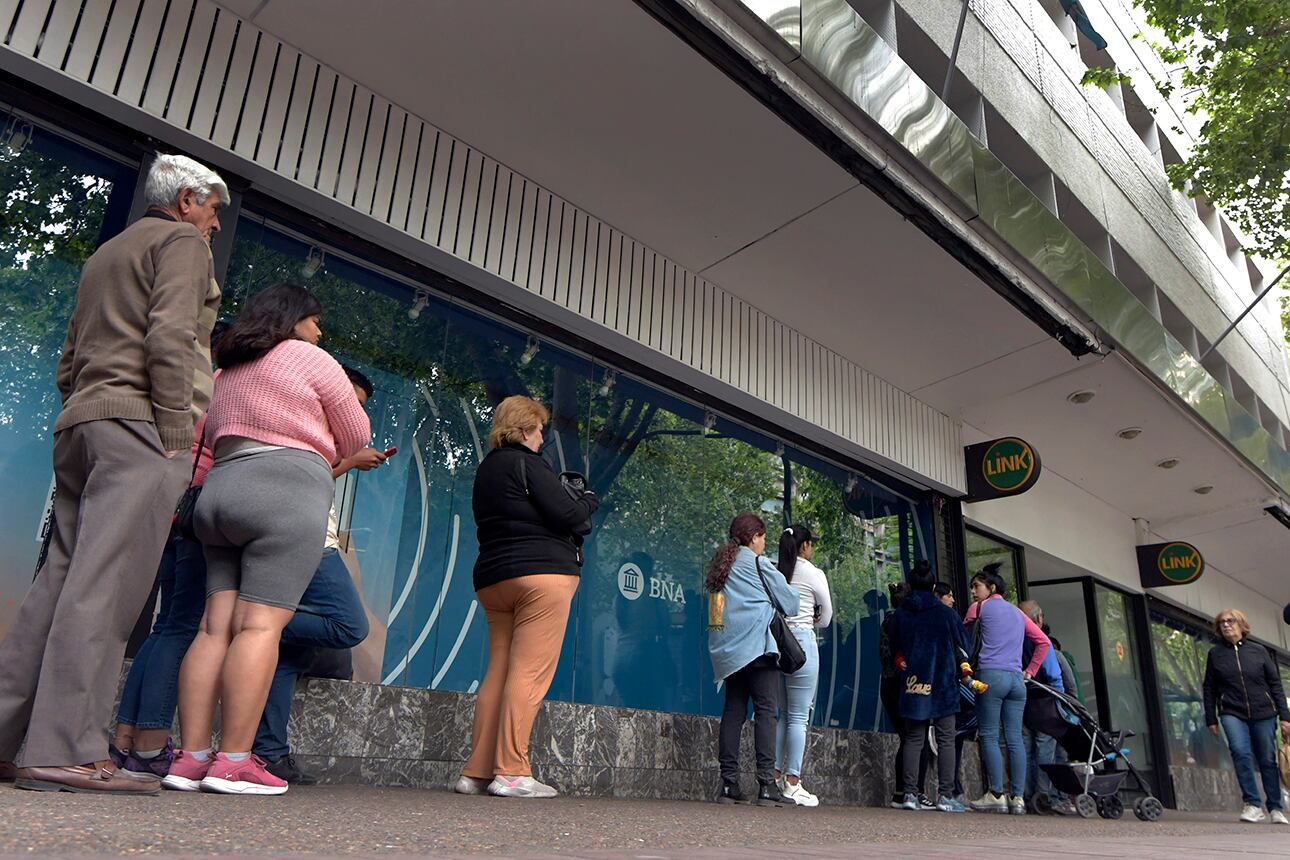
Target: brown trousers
{"x":60,"y":663}
{"x":526,"y":620}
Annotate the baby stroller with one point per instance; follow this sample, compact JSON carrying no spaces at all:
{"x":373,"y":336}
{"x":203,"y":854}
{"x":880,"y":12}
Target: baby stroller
{"x":1091,"y":776}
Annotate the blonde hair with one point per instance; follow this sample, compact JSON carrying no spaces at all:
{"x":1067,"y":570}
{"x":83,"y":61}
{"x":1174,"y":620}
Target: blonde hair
{"x":1241,"y":621}
{"x":514,"y":417}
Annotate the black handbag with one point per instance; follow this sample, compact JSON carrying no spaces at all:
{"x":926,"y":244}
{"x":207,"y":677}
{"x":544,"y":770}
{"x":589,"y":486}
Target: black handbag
{"x":184,"y":511}
{"x":792,"y":656}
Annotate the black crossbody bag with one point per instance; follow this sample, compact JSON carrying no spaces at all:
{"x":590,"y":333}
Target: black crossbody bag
{"x":188,"y":501}
{"x":792,"y":656}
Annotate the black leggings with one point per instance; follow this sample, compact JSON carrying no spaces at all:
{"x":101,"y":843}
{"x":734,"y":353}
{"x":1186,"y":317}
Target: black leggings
{"x":759,"y":681}
{"x":889,"y":692}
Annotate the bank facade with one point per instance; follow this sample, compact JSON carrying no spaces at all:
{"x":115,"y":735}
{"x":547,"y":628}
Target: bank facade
{"x":752,"y":262}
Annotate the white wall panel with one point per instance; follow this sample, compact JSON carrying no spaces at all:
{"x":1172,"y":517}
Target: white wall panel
{"x":265,"y":104}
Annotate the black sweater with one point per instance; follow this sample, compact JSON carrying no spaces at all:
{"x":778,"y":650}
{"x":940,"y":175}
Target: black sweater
{"x":1242,"y":680}
{"x":525,"y":529}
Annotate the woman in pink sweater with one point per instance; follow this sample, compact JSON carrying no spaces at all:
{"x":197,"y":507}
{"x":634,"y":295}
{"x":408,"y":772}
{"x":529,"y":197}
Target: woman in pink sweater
{"x":284,"y":411}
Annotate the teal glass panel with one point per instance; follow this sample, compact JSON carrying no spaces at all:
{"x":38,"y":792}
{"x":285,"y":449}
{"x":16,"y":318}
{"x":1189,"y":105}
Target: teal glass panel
{"x":60,"y":202}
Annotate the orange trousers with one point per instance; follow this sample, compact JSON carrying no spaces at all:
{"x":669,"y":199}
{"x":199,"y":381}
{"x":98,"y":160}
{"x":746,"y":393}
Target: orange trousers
{"x":526,"y":616}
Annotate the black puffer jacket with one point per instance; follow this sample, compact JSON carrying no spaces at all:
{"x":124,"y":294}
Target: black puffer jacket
{"x":1242,"y":680}
{"x":524,"y":519}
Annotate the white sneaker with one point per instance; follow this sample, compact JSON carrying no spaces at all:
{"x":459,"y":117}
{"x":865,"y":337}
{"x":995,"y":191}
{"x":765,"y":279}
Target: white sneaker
{"x":471,"y":785}
{"x":991,"y":802}
{"x":1017,"y":805}
{"x":1253,"y":815}
{"x":799,"y":795}
{"x":1279,"y":817}
{"x":519,"y":786}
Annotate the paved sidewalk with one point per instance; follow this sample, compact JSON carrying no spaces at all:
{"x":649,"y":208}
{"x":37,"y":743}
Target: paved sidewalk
{"x":354,"y":821}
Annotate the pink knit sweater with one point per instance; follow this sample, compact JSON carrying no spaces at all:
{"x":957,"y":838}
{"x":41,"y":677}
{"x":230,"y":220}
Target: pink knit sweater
{"x":296,"y":396}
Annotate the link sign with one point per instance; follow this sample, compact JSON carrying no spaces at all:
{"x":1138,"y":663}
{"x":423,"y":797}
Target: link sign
{"x":1164,"y":564}
{"x":1000,"y":468}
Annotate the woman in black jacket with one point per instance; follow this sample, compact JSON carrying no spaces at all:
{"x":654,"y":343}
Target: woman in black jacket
{"x":1243,"y":690}
{"x":530,"y":533}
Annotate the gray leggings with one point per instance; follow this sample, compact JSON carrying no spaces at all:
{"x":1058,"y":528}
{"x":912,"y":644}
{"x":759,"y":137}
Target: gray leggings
{"x":262,"y":521}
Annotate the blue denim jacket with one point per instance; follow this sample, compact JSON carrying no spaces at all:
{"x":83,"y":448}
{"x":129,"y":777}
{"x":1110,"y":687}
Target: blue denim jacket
{"x":746,"y":619}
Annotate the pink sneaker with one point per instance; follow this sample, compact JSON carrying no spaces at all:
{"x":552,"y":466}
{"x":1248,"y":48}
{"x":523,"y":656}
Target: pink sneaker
{"x":186,"y":773}
{"x":249,"y":776}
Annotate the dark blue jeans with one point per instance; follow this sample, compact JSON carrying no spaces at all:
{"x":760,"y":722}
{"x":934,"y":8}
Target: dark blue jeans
{"x":152,"y":687}
{"x":1253,"y":744}
{"x":330,"y":616}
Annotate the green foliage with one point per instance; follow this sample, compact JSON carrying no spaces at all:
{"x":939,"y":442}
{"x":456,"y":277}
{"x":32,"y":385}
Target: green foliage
{"x":859,"y":556}
{"x":1103,"y":77}
{"x":1234,"y":66}
{"x":50,"y":220}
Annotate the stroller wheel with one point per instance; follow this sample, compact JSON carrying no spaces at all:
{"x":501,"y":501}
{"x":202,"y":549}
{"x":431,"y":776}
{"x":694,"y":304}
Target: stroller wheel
{"x":1148,"y":809}
{"x":1086,"y":806}
{"x":1110,"y":806}
{"x":1042,"y":803}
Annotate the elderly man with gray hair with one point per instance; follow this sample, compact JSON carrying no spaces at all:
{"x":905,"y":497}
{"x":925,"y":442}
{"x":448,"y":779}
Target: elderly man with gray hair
{"x":134,"y":376}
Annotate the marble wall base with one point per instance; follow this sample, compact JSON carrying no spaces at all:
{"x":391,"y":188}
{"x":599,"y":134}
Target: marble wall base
{"x":1206,"y":789}
{"x":401,"y":736}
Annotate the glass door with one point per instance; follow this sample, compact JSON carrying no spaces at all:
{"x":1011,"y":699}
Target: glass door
{"x":58,"y":202}
{"x":1100,"y":631}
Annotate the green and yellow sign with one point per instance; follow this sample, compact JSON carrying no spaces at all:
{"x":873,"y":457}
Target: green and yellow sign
{"x":1165,"y":564}
{"x":1001,"y":467}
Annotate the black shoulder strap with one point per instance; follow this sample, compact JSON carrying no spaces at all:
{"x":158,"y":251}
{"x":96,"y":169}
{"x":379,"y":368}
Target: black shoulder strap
{"x":524,"y":473}
{"x":766,"y":586}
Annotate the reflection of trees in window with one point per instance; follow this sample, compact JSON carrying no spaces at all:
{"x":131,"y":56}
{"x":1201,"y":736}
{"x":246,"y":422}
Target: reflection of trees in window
{"x":860,"y":556}
{"x":982,"y":550}
{"x":51,"y":217}
{"x":1180,"y":652}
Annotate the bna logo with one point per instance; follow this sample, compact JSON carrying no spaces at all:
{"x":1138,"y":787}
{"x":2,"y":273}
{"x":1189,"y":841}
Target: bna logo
{"x":1008,"y":464}
{"x":631,"y":582}
{"x":1180,"y":563}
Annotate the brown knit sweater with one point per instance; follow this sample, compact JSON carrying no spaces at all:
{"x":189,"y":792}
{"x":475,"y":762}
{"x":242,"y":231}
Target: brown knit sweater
{"x":138,"y":346}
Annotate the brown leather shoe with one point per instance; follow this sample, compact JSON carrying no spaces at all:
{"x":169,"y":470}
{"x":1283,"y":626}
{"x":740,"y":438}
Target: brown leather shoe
{"x":7,"y":771}
{"x":99,"y":777}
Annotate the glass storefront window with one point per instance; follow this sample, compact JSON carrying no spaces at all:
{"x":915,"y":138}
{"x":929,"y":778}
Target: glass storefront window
{"x":983,"y":549}
{"x":1064,"y":612}
{"x":870,"y":534}
{"x":1180,"y":651}
{"x":1122,"y":661}
{"x":59,"y":202}
{"x":670,"y":478}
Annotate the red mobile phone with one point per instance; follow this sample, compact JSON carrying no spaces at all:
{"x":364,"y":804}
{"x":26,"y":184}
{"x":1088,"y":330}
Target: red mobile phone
{"x":391,"y":451}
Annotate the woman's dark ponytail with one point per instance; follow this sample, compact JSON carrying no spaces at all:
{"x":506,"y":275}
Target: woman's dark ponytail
{"x":790,"y":546}
{"x":743,"y":529}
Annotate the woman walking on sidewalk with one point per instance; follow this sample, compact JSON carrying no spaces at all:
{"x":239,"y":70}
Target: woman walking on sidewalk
{"x":530,"y":531}
{"x":1242,"y":690}
{"x":743,"y":651}
{"x":796,"y":546}
{"x":283,"y":413}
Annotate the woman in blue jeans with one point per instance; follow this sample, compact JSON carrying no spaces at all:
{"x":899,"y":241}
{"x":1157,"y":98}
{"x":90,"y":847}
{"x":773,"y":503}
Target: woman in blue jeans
{"x":797,"y":696}
{"x":1003,"y":631}
{"x":1242,"y":689}
{"x":142,"y":741}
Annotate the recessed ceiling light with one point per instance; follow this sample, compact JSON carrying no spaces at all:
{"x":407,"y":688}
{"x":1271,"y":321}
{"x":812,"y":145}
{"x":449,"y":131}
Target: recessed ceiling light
{"x":1203,"y":491}
{"x":1168,"y":463}
{"x":1130,"y":433}
{"x":1080,"y":396}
